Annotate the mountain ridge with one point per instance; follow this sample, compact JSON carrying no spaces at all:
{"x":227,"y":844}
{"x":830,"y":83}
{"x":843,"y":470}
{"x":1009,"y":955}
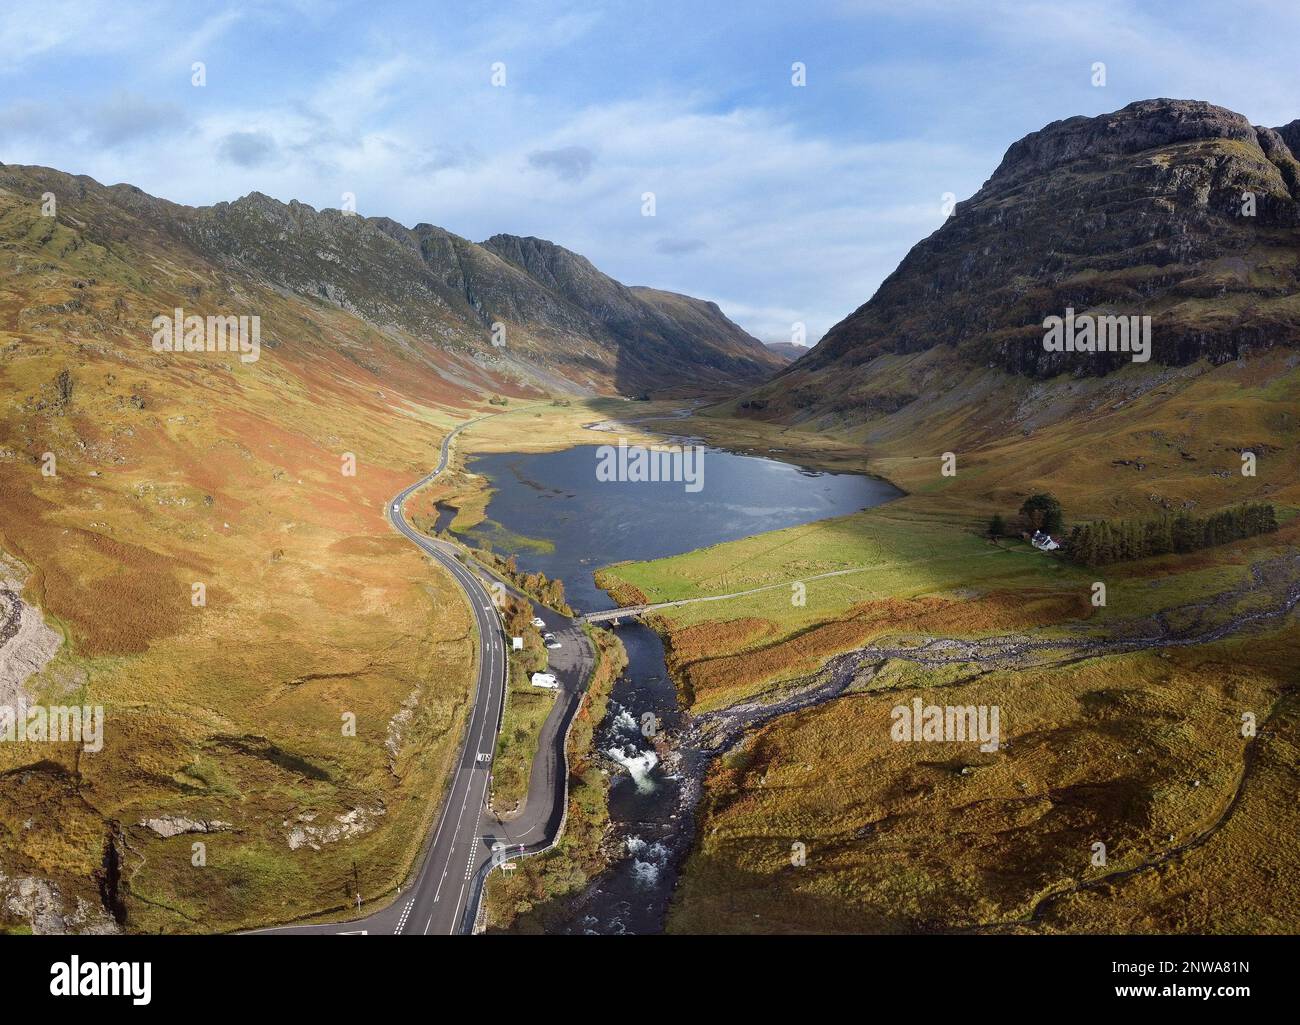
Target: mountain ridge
{"x":442,"y":289}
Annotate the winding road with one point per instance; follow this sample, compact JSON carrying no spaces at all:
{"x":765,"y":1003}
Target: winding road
{"x":447,"y":889}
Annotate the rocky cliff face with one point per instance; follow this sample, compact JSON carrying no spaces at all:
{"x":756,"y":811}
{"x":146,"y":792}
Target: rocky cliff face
{"x":1175,"y":209}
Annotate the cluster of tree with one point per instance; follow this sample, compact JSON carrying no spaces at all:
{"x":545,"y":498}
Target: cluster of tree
{"x":518,"y":615}
{"x":496,"y":400}
{"x":548,"y":592}
{"x":1037,"y":512}
{"x":535,"y":585}
{"x":1042,"y":512}
{"x":1103,"y":542}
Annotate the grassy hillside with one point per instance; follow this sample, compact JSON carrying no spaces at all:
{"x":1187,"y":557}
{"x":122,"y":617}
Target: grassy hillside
{"x":1140,"y":753}
{"x":176,"y":469}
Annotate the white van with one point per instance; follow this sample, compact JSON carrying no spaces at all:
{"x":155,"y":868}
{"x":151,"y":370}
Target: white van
{"x":546,"y":680}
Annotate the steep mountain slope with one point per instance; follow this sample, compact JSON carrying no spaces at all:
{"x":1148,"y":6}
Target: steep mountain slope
{"x":553,"y":323}
{"x":654,"y":331}
{"x":221,"y":586}
{"x":1175,"y":209}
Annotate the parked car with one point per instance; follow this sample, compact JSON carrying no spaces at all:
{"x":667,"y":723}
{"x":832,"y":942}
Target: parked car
{"x":554,"y":644}
{"x":539,"y":622}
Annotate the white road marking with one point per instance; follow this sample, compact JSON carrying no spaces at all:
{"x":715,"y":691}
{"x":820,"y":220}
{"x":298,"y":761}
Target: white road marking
{"x":490,"y":666}
{"x":473,"y":850}
{"x":406,"y":913}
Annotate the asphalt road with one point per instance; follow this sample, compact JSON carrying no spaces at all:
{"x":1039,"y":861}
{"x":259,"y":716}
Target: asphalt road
{"x":446,"y":891}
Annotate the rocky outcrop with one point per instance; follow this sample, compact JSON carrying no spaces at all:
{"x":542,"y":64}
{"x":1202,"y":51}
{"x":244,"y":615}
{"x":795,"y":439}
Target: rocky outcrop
{"x":303,"y":832}
{"x":399,"y":724}
{"x":1290,"y":134}
{"x":168,"y":826}
{"x":43,"y":907}
{"x":1141,"y":126}
{"x":26,"y":642}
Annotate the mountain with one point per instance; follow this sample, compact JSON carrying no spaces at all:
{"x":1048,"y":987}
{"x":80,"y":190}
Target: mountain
{"x":1174,"y":209}
{"x":656,"y":333}
{"x":788,"y":351}
{"x":563,"y":325}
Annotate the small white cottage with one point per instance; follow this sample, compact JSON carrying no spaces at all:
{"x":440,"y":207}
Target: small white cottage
{"x":1043,"y":542}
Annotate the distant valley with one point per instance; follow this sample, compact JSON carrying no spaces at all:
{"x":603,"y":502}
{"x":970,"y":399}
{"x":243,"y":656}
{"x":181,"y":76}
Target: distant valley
{"x":204,"y":546}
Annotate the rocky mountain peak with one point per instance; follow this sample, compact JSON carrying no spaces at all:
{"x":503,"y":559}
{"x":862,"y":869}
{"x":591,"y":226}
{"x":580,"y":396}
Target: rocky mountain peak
{"x":1290,"y":134}
{"x":551,"y":264}
{"x":1144,"y":125}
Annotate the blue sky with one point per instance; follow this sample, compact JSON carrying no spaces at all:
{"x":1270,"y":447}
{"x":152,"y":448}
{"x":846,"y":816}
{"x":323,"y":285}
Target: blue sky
{"x":784,"y":204}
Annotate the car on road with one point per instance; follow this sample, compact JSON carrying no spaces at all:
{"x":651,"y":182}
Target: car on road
{"x":553,"y":644}
{"x":539,"y":622}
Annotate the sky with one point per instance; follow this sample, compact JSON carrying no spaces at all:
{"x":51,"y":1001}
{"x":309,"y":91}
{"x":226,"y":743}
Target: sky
{"x":786,"y":204}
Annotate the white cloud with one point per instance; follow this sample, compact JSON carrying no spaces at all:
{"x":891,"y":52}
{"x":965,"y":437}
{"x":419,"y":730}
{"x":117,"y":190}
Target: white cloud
{"x":32,"y":29}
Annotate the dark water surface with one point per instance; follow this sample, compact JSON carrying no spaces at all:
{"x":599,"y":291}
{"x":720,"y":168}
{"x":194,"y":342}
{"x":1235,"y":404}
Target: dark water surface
{"x":555,"y":497}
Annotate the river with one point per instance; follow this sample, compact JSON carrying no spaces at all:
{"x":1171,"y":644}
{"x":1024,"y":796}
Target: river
{"x":552,"y":513}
